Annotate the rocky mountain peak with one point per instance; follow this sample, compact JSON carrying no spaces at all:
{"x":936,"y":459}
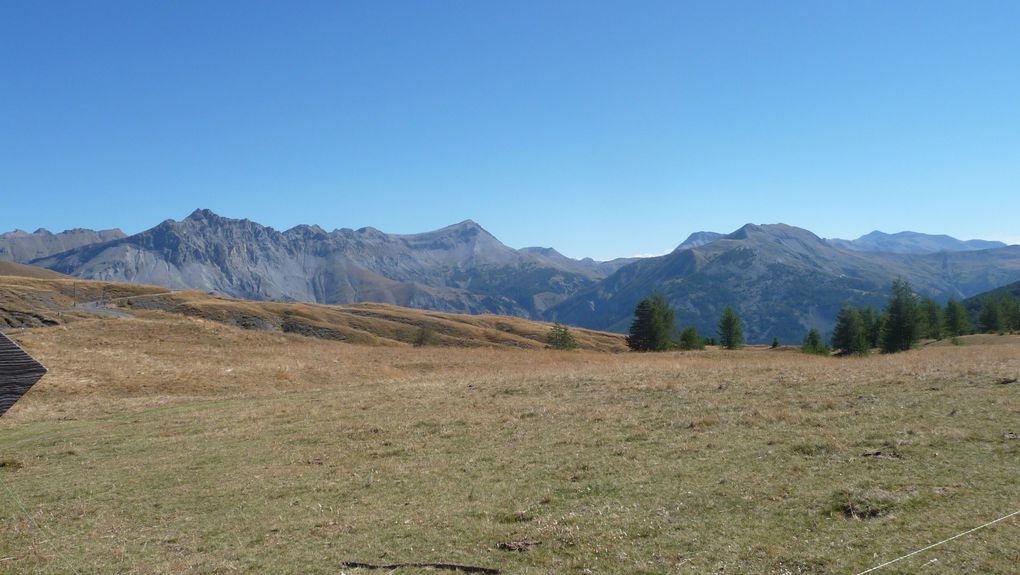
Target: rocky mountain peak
{"x":202,"y":214}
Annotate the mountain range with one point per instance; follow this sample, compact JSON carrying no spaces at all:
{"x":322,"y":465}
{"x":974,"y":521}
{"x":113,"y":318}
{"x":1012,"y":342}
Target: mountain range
{"x":23,"y":247}
{"x":782,"y":280}
{"x":913,"y":243}
{"x":459,"y":268}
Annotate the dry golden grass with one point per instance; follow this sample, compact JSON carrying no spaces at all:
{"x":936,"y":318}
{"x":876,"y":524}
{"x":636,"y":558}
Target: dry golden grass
{"x":164,"y":444}
{"x":35,"y":302}
{"x":22,"y":270}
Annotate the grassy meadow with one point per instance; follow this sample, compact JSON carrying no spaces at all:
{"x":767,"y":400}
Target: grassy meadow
{"x":169,"y":444}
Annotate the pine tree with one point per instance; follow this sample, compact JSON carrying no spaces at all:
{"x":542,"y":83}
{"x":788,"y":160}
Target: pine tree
{"x":813,"y":343}
{"x":990,"y":316}
{"x":653,"y":325}
{"x":931,"y":319}
{"x":849,"y":335}
{"x":900,"y":330}
{"x":1011,"y":312}
{"x":689,"y":339}
{"x":957,"y":322}
{"x":560,"y":338}
{"x":731,"y":334}
{"x":872,"y":322}
{"x":775,"y":342}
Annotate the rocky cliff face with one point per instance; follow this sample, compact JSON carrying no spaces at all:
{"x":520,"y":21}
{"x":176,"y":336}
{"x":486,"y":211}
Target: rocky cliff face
{"x":459,"y":268}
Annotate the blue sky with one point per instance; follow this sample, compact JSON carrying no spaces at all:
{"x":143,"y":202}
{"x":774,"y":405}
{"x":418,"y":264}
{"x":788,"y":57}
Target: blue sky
{"x":603,"y":129}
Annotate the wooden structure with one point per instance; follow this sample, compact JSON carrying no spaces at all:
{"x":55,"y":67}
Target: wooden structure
{"x":18,"y":372}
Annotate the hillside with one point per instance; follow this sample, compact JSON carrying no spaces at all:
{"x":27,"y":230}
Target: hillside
{"x":974,"y":303}
{"x":782,"y":281}
{"x":34,"y":303}
{"x":1010,"y":289}
{"x":21,"y":270}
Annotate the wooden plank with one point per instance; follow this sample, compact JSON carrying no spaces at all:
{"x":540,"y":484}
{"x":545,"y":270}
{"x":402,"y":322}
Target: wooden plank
{"x":18,"y":372}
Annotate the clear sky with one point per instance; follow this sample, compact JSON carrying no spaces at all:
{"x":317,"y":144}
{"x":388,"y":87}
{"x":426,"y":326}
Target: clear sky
{"x":603,"y":129}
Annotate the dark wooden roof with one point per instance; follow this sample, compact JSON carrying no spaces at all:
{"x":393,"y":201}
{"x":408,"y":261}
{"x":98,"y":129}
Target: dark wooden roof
{"x":18,"y":372}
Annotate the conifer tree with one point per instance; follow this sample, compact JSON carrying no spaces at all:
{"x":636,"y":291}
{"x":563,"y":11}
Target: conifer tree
{"x":731,"y":334}
{"x":900,"y":330}
{"x":1011,"y":312}
{"x":872,"y":321}
{"x":689,"y":339}
{"x":849,"y":335}
{"x":653,"y":325}
{"x":931,"y":319}
{"x":560,"y":338}
{"x":989,"y":318}
{"x":775,"y":342}
{"x":813,"y":343}
{"x":957,"y":322}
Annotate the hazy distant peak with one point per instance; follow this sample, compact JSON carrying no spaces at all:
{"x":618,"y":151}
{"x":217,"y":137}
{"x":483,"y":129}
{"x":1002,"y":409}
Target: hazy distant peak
{"x":907,"y":242}
{"x":21,"y":246}
{"x":548,"y":252}
{"x":468,"y":226}
{"x":698,"y":239}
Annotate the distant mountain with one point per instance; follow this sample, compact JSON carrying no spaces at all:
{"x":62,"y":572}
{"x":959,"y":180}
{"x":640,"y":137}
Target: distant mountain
{"x":587,"y":264}
{"x":23,"y":247}
{"x":782,"y":280}
{"x":698,"y":239}
{"x":913,"y":243}
{"x":460,"y":268}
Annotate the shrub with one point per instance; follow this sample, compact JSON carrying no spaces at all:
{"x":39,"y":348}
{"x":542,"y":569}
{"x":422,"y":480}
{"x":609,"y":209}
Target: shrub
{"x":689,"y":339}
{"x":813,"y":344}
{"x":560,"y":337}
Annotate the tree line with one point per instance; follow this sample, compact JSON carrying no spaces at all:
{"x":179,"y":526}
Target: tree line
{"x":654,"y":329}
{"x":909,"y":318}
{"x":906,"y":319}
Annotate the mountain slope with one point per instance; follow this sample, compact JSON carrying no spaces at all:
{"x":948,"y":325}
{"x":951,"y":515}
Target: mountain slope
{"x":30,"y":302}
{"x":913,"y":243}
{"x":782,"y":281}
{"x":974,"y":303}
{"x":23,"y":247}
{"x":27,"y":271}
{"x":460,"y":268}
